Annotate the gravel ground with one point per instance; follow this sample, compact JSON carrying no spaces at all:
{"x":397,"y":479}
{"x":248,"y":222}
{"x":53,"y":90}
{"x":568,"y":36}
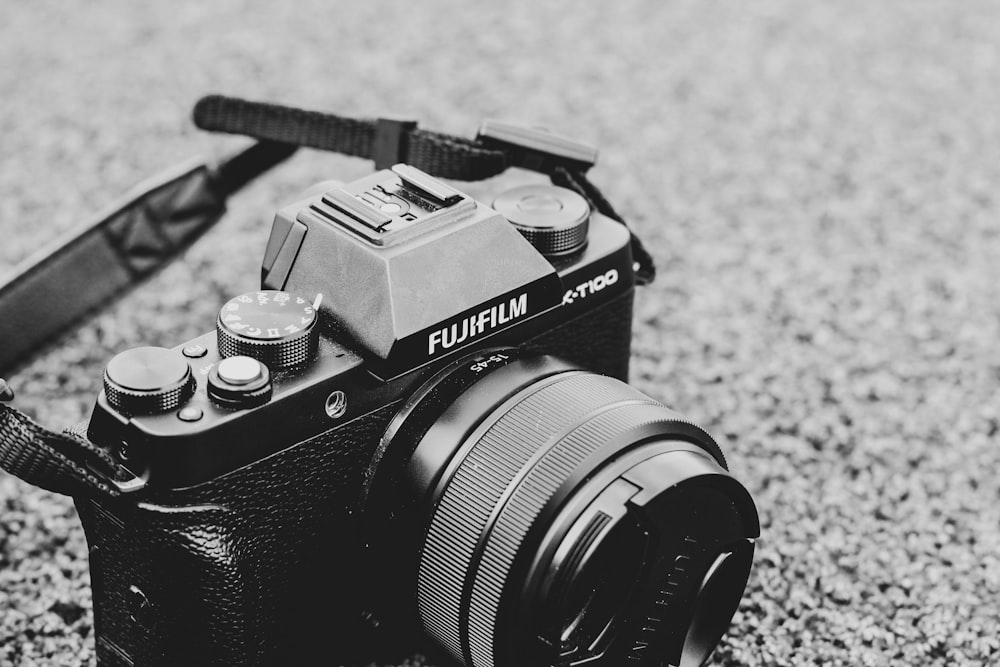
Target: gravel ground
{"x":816,"y":181}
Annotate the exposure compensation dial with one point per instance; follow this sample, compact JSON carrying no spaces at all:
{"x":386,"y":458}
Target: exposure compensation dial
{"x":276,"y":328}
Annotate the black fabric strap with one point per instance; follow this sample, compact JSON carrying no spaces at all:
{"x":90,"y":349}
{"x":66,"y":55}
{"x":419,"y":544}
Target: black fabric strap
{"x":149,"y":228}
{"x":438,"y":154}
{"x":59,"y":462}
{"x":232,"y":174}
{"x":118,"y":249}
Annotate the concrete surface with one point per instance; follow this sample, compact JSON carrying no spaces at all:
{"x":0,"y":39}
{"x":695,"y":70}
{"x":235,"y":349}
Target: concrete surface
{"x":817,"y":182}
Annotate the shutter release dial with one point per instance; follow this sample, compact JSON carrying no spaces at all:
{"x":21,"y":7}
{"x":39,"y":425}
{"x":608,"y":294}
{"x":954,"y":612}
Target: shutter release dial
{"x":276,"y":328}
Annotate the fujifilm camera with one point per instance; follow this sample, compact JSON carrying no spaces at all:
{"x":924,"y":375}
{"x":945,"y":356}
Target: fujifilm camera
{"x":415,"y":436}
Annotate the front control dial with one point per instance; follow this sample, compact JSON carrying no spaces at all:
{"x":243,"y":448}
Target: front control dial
{"x":276,"y":328}
{"x":147,"y":380}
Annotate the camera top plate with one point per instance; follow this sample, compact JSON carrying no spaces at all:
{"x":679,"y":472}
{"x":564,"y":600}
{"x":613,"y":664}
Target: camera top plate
{"x":400,"y":257}
{"x":177,"y":452}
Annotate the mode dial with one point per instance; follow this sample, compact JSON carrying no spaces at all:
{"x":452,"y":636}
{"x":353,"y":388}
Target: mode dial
{"x":553,"y":219}
{"x":147,"y":380}
{"x":275,"y":328}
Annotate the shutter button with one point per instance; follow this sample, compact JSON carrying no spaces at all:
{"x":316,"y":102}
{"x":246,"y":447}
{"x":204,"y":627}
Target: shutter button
{"x":239,"y":370}
{"x":239,"y":382}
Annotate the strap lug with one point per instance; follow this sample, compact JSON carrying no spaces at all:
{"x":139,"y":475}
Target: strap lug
{"x":535,"y":148}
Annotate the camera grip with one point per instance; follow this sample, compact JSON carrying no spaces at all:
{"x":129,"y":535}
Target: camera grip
{"x":150,"y":562}
{"x":230,"y":571}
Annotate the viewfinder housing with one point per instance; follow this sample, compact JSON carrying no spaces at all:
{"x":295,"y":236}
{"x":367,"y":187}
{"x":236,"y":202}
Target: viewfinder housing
{"x":401,"y":257}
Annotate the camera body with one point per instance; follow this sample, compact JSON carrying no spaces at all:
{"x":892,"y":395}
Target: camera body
{"x":254,"y":541}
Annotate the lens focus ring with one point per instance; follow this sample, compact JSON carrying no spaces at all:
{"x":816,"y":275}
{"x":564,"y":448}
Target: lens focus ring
{"x":506,"y":478}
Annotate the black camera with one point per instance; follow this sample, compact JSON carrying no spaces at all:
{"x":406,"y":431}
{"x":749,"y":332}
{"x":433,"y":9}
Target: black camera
{"x":417,"y":433}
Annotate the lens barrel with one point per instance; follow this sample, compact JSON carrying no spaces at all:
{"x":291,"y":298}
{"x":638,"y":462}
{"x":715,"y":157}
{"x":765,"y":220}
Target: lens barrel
{"x":559,"y":517}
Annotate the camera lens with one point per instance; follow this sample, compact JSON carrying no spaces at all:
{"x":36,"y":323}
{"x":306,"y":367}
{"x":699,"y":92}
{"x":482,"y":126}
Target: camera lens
{"x":601,"y":591}
{"x":557,"y":517}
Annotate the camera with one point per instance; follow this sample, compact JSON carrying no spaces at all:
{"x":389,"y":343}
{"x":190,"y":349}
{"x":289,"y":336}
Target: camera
{"x":417,"y":433}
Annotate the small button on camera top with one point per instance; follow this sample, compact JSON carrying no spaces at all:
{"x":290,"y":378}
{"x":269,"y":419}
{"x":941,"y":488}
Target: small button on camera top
{"x":194,"y":351}
{"x":554,"y":220}
{"x":190,"y":414}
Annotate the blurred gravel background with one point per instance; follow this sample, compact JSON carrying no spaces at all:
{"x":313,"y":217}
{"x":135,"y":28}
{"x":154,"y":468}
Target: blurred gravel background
{"x":816,"y":180}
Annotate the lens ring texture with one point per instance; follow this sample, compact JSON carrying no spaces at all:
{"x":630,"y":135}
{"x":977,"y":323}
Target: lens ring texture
{"x":514,"y":463}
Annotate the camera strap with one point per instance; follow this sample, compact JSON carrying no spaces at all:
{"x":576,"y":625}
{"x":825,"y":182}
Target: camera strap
{"x":496,"y":148}
{"x":151,"y":226}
